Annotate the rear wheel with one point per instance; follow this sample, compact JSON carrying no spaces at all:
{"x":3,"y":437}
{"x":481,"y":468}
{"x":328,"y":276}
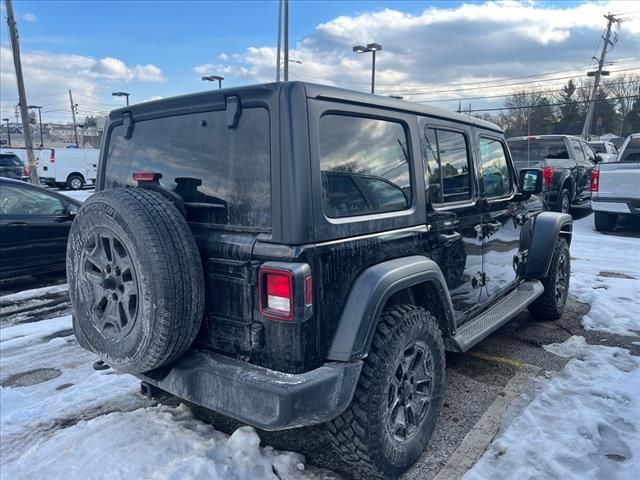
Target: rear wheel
{"x":550,"y":304}
{"x":604,"y":221}
{"x":398,"y":397}
{"x":75,"y":181}
{"x":564,"y":201}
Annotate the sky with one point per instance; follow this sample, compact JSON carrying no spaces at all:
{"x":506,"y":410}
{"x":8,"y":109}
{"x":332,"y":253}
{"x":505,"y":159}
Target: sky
{"x":433,"y":52}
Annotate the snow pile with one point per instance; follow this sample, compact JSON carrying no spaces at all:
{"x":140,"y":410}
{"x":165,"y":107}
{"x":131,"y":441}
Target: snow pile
{"x":605,"y":273}
{"x":59,"y":418}
{"x":33,"y":294}
{"x":584,"y":423}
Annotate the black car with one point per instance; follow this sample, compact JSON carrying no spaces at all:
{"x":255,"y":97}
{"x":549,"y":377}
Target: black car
{"x":11,"y":166}
{"x":566,"y":162}
{"x":34,"y":226}
{"x":290,"y":254}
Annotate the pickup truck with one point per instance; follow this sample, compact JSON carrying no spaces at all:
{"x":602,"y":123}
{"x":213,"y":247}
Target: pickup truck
{"x":615,"y":186}
{"x":566,"y":162}
{"x":606,"y":151}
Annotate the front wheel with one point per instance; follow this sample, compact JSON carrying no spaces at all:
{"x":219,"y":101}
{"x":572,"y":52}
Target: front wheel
{"x":394,"y":410}
{"x":550,"y":304}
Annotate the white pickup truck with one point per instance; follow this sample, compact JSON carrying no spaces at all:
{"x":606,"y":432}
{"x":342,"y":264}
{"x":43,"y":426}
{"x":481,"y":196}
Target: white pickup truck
{"x":615,"y":186}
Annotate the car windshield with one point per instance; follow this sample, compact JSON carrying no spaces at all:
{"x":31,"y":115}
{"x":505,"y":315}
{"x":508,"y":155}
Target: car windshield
{"x":598,"y":147}
{"x":538,"y":149}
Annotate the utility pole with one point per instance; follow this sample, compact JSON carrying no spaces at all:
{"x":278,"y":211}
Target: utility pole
{"x":22,"y":95}
{"x":279,"y":40}
{"x":286,"y":40}
{"x":73,"y":115}
{"x":586,"y":129}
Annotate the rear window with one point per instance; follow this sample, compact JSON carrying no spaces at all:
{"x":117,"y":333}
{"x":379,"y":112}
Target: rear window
{"x":537,"y":150}
{"x":223,"y":174}
{"x":598,"y":147}
{"x":7,"y":160}
{"x":631,"y":152}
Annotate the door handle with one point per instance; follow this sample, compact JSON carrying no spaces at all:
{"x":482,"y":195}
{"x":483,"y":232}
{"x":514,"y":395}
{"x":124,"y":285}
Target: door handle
{"x":448,"y":239}
{"x":17,"y":224}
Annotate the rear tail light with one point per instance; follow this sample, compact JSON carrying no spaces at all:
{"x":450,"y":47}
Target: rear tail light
{"x":52,"y":158}
{"x":595,"y":180}
{"x":276,"y":298}
{"x":547,"y":176}
{"x":25,"y":171}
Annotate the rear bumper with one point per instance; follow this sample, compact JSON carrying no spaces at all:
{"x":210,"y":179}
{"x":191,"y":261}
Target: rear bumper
{"x":264,"y":398}
{"x":611,"y":205}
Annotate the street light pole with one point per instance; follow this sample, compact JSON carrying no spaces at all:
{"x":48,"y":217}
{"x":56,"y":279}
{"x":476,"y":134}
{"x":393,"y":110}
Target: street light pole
{"x":8,"y":131}
{"x":213,"y":78}
{"x":122,"y":94}
{"x":39,"y":121}
{"x":373,"y":48}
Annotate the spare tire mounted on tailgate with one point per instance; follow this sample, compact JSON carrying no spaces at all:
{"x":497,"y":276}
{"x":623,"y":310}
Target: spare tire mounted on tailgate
{"x":135,"y":279}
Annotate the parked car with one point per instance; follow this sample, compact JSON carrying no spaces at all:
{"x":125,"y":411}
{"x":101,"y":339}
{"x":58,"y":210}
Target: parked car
{"x":605,"y":151}
{"x":11,"y":166}
{"x":566,"y":162}
{"x":67,"y":168}
{"x":290,"y":254}
{"x":34,"y":226}
{"x":615,"y":186}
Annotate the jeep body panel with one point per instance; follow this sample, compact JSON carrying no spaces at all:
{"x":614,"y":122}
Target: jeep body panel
{"x":546,"y":228}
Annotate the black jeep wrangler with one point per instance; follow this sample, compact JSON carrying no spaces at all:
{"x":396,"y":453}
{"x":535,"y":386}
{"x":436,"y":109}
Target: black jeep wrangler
{"x":291,"y":254}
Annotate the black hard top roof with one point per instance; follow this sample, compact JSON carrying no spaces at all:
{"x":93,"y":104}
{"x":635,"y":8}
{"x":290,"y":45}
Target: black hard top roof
{"x":312,"y":91}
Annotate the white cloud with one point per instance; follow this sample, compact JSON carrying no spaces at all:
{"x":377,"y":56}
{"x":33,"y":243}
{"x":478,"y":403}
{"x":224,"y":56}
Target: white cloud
{"x":428,"y":51}
{"x":49,"y":75}
{"x":223,"y":56}
{"x":29,"y":17}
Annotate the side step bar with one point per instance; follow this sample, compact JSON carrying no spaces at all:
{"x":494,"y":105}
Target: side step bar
{"x":489,"y":321}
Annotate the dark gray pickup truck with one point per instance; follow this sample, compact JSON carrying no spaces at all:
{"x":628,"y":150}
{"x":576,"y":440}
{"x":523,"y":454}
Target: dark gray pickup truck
{"x":566,"y":162}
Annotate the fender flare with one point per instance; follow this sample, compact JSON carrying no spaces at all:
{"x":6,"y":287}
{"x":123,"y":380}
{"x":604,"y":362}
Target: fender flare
{"x":546,"y":228}
{"x":568,"y":182}
{"x":369,"y":295}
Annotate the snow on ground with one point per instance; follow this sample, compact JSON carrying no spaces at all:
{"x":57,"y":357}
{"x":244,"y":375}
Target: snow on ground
{"x":605,"y":273}
{"x":583,"y":424}
{"x":80,"y":195}
{"x":59,"y":418}
{"x":33,"y":294}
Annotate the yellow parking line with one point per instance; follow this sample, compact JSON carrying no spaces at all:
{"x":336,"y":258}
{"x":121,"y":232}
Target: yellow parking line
{"x":496,"y":358}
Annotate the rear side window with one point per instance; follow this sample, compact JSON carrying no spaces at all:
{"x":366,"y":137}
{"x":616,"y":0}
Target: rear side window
{"x":223,"y":174}
{"x":631,"y":153}
{"x":447,"y":165}
{"x":577,"y":148}
{"x":365,"y":166}
{"x":10,"y":161}
{"x":537,"y":150}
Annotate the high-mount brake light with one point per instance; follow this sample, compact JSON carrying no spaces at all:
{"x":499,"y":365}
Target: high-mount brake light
{"x":146,"y":176}
{"x":276,"y":298}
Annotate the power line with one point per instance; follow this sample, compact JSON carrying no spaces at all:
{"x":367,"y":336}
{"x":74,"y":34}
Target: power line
{"x":545,"y":105}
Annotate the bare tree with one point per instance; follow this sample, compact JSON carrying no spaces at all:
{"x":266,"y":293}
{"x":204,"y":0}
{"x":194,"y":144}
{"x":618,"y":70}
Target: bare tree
{"x":625,"y":90}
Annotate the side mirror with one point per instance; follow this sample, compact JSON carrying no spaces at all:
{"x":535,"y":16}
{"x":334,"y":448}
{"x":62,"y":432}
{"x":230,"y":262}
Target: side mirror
{"x":531,"y":180}
{"x":72,"y":211}
{"x":599,"y":158}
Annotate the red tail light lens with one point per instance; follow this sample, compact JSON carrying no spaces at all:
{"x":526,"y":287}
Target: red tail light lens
{"x":276,"y":299}
{"x":52,"y":158}
{"x":547,"y":176}
{"x":25,"y":171}
{"x":146,"y":176}
{"x":595,"y":180}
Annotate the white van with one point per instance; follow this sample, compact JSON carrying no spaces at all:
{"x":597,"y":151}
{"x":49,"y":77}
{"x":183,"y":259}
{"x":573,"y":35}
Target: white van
{"x":65,"y":168}
{"x":70,"y":168}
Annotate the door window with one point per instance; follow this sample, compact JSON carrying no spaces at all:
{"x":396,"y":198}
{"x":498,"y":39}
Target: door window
{"x":28,"y":201}
{"x":445,"y":154}
{"x":365,"y":166}
{"x":496,"y":177}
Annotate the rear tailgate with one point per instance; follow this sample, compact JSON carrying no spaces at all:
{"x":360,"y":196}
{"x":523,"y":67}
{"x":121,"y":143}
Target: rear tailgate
{"x":618,"y":180}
